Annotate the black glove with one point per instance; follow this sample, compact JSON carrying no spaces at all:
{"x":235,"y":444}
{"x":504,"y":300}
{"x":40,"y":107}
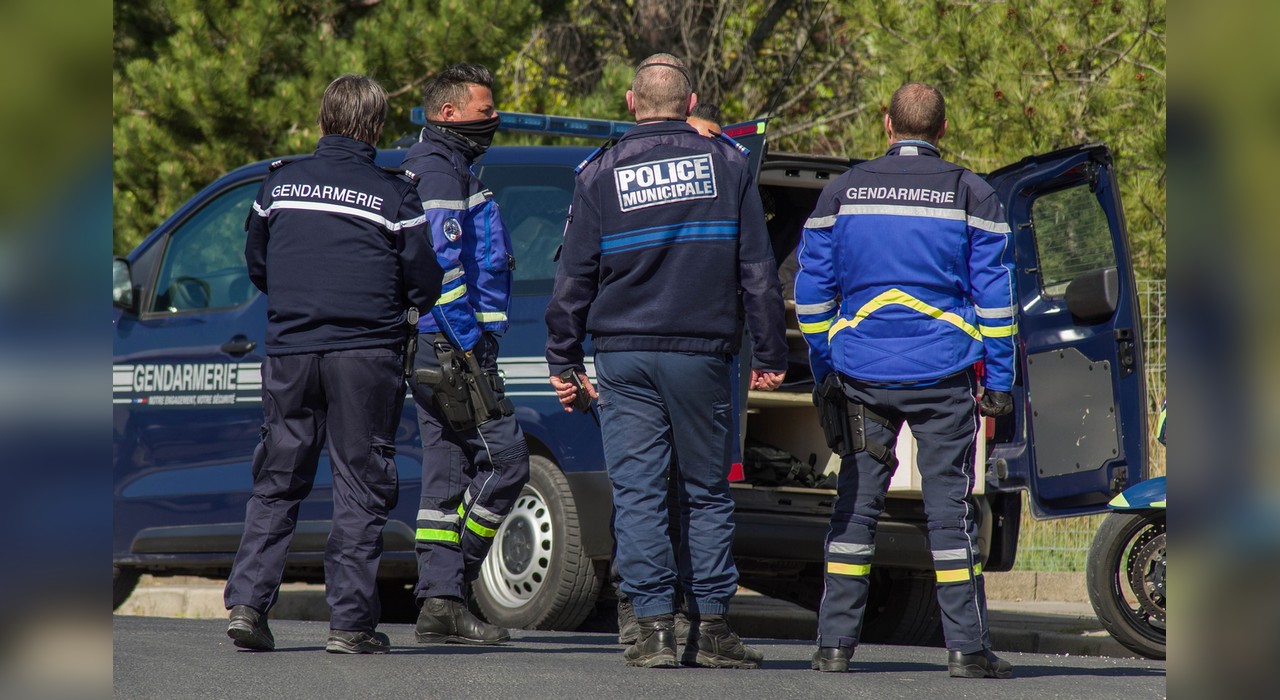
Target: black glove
{"x":995,"y":403}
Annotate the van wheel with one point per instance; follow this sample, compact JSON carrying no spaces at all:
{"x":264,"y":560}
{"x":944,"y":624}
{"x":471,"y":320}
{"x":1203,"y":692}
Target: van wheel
{"x":902,"y":608}
{"x":536,"y":575}
{"x":123,"y":581}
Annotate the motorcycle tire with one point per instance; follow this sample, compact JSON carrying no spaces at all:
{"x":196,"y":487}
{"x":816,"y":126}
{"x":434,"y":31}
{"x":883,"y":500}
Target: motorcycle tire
{"x":1125,"y":576}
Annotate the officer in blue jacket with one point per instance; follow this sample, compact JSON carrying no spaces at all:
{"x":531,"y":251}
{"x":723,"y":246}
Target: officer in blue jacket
{"x":665,"y":246}
{"x":471,"y":475}
{"x":905,"y":282}
{"x":340,"y":247}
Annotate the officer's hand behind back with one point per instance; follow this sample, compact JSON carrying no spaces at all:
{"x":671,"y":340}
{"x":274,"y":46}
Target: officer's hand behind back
{"x":996,"y":403}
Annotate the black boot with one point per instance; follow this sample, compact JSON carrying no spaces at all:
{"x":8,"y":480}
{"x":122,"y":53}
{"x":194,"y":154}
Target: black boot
{"x":248,"y":629}
{"x":448,"y":620}
{"x":357,"y":642}
{"x":982,"y":664}
{"x":628,"y":629}
{"x":831,"y":659}
{"x":656,"y":646}
{"x":714,"y":645}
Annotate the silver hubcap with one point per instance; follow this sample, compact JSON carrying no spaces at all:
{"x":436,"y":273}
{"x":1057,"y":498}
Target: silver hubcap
{"x":517,"y":565}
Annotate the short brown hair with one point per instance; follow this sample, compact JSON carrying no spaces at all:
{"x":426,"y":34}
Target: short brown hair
{"x":918,"y":111}
{"x":661,"y":87}
{"x":354,"y":106}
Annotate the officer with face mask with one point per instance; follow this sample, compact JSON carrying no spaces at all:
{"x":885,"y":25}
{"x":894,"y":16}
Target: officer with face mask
{"x":471,"y":474}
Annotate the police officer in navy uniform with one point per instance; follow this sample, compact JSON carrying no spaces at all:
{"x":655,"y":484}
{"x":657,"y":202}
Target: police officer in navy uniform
{"x":471,"y":476}
{"x":665,"y":243}
{"x":905,"y":283}
{"x":340,"y":247}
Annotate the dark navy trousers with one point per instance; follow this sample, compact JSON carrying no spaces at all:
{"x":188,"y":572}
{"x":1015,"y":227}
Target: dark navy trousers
{"x":659,"y":409}
{"x":470,"y":481}
{"x":944,"y":421}
{"x":354,"y":399}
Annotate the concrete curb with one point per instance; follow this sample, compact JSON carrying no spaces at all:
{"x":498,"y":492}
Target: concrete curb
{"x":1026,"y":624}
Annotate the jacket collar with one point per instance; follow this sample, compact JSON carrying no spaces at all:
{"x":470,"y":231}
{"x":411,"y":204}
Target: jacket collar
{"x":344,"y":146}
{"x":450,"y":140}
{"x":912,"y":147}
{"x":661,"y":127}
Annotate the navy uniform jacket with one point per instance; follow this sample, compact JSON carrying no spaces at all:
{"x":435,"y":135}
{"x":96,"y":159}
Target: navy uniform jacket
{"x":340,"y":248}
{"x":470,"y":240}
{"x":666,"y":244}
{"x":906,"y":273}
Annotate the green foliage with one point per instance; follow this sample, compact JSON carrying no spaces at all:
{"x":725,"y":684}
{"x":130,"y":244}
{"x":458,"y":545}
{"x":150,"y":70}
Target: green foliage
{"x":202,"y":87}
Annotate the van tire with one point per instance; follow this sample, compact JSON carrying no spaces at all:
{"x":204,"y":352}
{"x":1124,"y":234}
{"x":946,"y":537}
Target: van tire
{"x":537,"y":575}
{"x":123,"y":581}
{"x":902,"y":608}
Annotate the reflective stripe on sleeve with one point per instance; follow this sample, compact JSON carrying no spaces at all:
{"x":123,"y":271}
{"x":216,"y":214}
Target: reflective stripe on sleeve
{"x":452,"y":296}
{"x":1006,"y":312}
{"x":816,"y":308}
{"x":490,"y":316}
{"x":817,"y":326}
{"x":999,"y":331}
{"x":437,"y":516}
{"x":452,"y":275}
{"x":950,"y":555}
{"x":985,"y":225}
{"x":820,"y":222}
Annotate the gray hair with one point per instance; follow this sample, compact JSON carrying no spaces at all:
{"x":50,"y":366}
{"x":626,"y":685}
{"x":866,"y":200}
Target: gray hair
{"x":354,"y":106}
{"x":661,"y":87}
{"x":450,"y":86}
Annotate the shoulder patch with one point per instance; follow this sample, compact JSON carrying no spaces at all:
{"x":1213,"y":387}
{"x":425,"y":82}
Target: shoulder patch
{"x":276,"y":165}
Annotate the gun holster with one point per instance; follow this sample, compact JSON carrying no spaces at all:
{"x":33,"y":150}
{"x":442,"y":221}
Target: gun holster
{"x":464,"y":393}
{"x":844,"y":423}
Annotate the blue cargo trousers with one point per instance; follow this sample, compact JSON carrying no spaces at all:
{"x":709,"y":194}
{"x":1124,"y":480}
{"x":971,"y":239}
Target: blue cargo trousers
{"x":658,"y":409}
{"x":944,"y":421}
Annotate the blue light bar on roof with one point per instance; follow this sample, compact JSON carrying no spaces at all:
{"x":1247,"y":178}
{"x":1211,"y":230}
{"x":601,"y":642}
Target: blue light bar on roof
{"x":549,"y":124}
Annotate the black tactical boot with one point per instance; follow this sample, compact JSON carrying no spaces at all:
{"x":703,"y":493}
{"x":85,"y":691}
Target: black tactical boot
{"x":248,"y":629}
{"x":352,"y":642}
{"x":683,"y":627}
{"x":628,"y":629}
{"x":982,"y":664}
{"x":656,"y":646}
{"x":448,"y":620}
{"x":831,"y":659}
{"x":714,"y":645}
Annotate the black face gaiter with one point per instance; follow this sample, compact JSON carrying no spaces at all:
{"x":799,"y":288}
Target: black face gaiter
{"x":479,"y":131}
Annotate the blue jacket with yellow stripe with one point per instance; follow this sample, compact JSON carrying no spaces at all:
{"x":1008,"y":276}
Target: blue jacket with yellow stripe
{"x":470,"y":240}
{"x":666,"y":250}
{"x":906,"y":273}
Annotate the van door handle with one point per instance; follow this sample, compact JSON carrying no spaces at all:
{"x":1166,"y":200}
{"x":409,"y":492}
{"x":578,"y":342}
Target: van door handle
{"x":238,"y":345}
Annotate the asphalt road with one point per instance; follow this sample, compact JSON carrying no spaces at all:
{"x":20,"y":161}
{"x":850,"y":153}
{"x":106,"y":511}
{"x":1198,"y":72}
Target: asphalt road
{"x":177,"y":658}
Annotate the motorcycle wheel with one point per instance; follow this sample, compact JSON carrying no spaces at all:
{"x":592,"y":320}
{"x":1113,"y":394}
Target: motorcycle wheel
{"x":1126,"y":580}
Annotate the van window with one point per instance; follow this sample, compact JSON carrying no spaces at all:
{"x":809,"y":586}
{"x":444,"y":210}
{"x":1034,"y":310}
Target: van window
{"x":203,"y":266}
{"x":1072,"y":237}
{"x":534,"y":202}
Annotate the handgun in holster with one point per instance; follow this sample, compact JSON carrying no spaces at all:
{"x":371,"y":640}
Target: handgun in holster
{"x":844,"y":423}
{"x":464,"y":393}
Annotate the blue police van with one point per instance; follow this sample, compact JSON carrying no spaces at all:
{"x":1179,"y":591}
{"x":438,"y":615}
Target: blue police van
{"x":186,"y":382}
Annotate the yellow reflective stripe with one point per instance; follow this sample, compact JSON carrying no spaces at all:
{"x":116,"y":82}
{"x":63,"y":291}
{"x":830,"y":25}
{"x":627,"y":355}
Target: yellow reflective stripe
{"x":480,"y":529}
{"x":897,"y":296}
{"x":1157,"y":504}
{"x":490,"y":316}
{"x":816,"y":326}
{"x":834,"y":567}
{"x":999,"y":331}
{"x":1119,"y":501}
{"x":450,"y":296}
{"x":429,"y":535}
{"x":957,"y":575}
